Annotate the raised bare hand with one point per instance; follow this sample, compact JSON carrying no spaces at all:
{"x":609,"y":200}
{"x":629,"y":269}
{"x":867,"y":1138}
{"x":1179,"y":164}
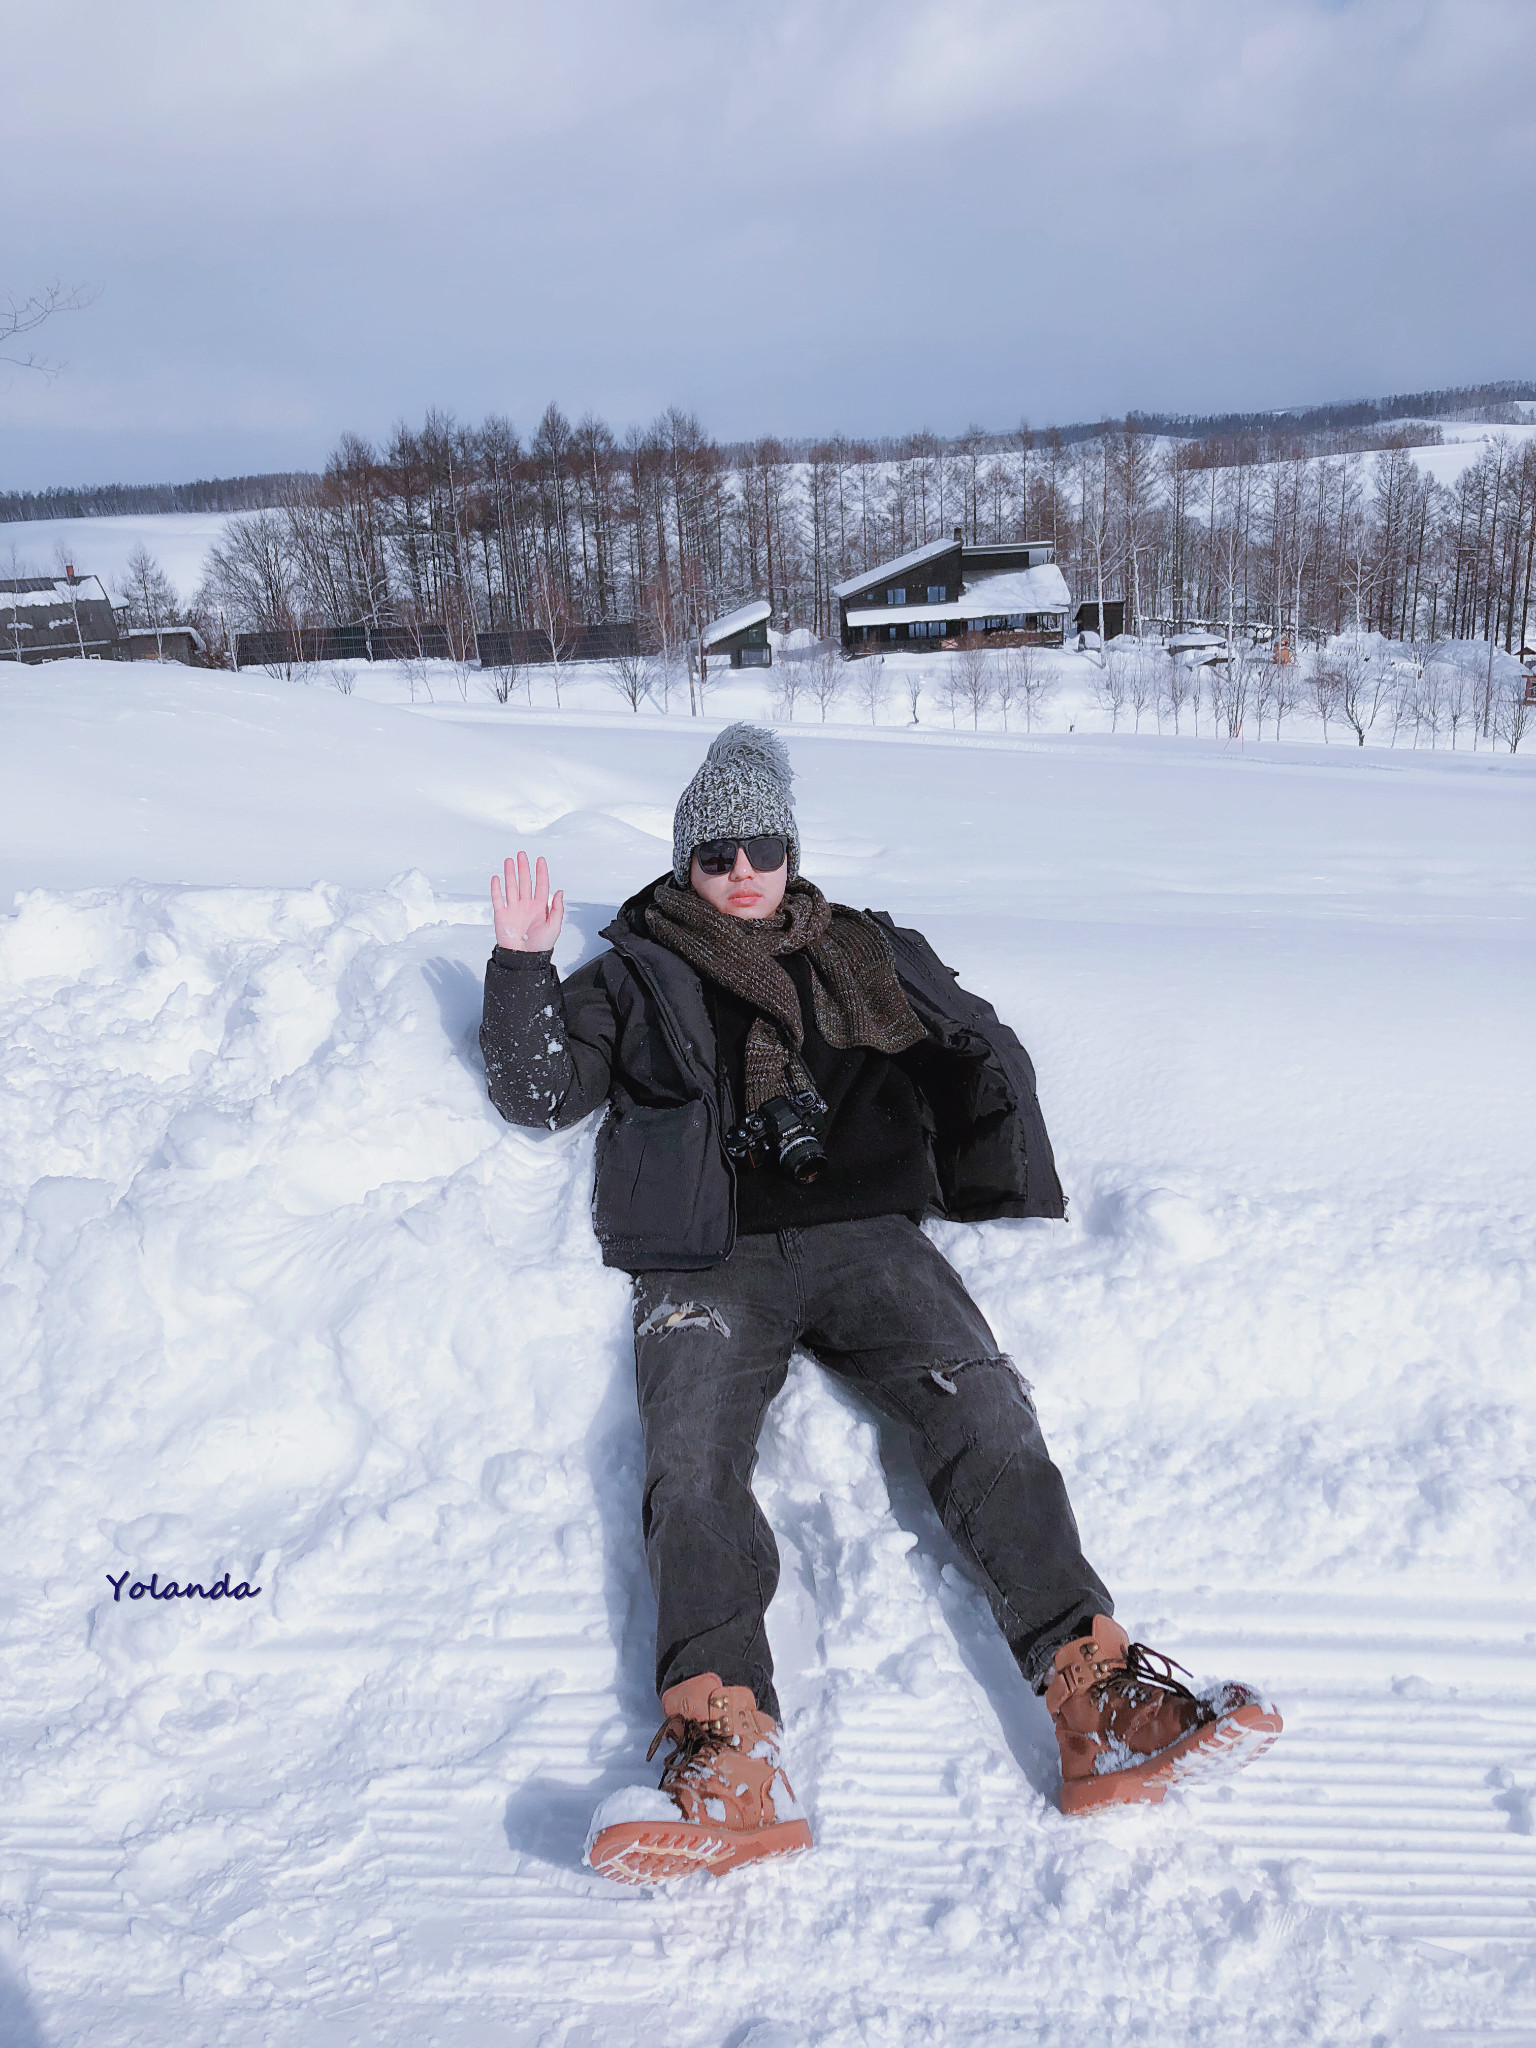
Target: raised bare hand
{"x":527,"y":917}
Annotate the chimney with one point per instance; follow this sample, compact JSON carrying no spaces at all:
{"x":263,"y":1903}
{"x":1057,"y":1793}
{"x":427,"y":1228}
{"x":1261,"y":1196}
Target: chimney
{"x":69,"y":568}
{"x":959,"y":534}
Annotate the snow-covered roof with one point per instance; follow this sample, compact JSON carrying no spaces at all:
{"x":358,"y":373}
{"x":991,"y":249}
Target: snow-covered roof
{"x":165,"y":632}
{"x":737,"y":621}
{"x":893,"y":568}
{"x":1043,"y":589}
{"x":43,"y":593}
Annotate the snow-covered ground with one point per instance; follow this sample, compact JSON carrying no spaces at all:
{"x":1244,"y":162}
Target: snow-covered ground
{"x":280,"y":1296}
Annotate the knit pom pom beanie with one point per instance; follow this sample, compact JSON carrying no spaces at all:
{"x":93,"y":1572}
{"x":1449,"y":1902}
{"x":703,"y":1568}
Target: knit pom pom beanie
{"x":743,"y":787}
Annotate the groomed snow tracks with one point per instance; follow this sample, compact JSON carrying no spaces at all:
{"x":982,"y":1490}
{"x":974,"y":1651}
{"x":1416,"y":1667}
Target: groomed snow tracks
{"x":1403,"y":1785}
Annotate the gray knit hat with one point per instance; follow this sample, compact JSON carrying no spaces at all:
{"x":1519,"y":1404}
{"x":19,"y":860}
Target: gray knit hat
{"x":743,"y":786}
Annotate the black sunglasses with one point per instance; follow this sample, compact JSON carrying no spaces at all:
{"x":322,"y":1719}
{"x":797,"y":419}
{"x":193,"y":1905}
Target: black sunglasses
{"x":765,"y":852}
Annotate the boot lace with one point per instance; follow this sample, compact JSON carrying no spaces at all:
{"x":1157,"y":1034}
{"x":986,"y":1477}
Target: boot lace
{"x":1146,"y":1671}
{"x":694,"y":1744}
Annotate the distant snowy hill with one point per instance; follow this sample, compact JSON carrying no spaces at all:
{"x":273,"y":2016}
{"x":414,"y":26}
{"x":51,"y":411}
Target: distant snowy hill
{"x":179,"y":541}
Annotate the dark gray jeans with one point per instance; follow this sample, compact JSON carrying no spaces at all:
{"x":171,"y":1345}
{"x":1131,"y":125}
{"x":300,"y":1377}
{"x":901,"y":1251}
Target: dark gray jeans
{"x":877,"y":1304}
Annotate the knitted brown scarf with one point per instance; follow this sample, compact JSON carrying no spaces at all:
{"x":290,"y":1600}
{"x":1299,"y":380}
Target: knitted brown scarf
{"x":857,"y":998}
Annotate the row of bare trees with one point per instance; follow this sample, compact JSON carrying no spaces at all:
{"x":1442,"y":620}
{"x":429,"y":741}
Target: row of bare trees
{"x":468,"y":528}
{"x":1437,"y":693}
{"x":1016,"y":683}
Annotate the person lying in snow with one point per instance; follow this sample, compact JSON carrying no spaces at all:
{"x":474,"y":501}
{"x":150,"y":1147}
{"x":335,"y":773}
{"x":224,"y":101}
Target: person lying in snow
{"x":790,"y":1085}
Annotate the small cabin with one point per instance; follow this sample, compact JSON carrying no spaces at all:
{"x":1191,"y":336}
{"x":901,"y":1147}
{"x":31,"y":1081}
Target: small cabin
{"x":50,"y":618}
{"x":162,"y":643}
{"x":1114,"y":619}
{"x":742,"y":635}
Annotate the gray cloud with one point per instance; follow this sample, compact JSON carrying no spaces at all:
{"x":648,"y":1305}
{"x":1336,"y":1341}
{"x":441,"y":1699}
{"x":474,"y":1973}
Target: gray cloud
{"x":837,"y":215}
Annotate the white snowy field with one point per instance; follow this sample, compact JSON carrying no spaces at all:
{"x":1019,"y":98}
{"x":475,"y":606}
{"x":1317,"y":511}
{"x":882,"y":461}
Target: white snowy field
{"x":280,"y":1296}
{"x":179,"y":542}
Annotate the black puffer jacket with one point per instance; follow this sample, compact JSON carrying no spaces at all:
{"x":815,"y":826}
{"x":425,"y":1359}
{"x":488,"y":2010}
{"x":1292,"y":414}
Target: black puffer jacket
{"x":631,"y":1031}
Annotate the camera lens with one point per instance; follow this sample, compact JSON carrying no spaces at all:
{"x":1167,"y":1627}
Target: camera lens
{"x":800,"y":1153}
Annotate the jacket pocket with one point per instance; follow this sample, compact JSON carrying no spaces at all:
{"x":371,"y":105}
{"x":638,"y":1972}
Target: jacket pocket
{"x":662,"y":1190}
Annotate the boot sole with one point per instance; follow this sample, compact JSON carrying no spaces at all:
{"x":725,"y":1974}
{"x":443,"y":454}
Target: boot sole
{"x":651,"y":1852}
{"x":1214,"y":1750}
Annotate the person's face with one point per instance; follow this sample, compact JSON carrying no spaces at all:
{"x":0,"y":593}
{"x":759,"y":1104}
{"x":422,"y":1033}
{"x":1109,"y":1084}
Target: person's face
{"x":743,"y":892}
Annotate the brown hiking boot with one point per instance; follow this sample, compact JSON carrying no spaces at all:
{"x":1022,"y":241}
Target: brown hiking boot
{"x":724,"y":1798}
{"x":1127,"y":1729}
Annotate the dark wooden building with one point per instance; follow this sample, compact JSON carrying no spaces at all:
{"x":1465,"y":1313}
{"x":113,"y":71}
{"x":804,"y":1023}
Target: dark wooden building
{"x":742,"y":635}
{"x":1007,"y":593}
{"x":162,"y":643}
{"x":1114,"y":618}
{"x":50,"y":618}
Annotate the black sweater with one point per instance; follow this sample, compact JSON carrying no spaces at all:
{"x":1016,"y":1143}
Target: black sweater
{"x":877,"y":1153}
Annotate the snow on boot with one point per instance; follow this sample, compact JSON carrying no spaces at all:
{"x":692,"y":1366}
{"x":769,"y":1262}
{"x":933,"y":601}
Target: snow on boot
{"x":1128,"y":1730}
{"x":724,"y":1798}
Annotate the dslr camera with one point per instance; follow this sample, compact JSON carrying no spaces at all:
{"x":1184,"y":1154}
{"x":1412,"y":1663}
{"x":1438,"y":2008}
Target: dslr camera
{"x":785,"y":1132}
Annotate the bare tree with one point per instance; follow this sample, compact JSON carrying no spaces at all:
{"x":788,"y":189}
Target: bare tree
{"x":418,"y":676}
{"x":665,"y":639}
{"x":971,"y":681}
{"x":146,"y":590}
{"x":1098,"y":528}
{"x":1289,"y":689}
{"x":912,"y":680}
{"x":1512,"y":715}
{"x":65,"y":574}
{"x":503,"y":680}
{"x":252,"y":582}
{"x":25,"y":316}
{"x":1197,"y":691}
{"x":1324,"y":681}
{"x":663,"y":679}
{"x":251,"y":574}
{"x":1405,"y":697}
{"x":1039,"y":682}
{"x":1362,"y":685}
{"x":19,"y":571}
{"x":1109,"y":688}
{"x":1232,"y":691}
{"x":1008,"y":683}
{"x":1261,"y":691}
{"x":1460,"y":697}
{"x":464,"y":669}
{"x":788,"y":682}
{"x":628,"y":676}
{"x":552,"y":616}
{"x":870,"y":682}
{"x":825,"y":677}
{"x":1140,"y":682}
{"x":1177,"y":682}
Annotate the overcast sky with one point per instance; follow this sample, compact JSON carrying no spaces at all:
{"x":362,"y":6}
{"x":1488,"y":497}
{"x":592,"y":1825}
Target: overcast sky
{"x":859,"y":215}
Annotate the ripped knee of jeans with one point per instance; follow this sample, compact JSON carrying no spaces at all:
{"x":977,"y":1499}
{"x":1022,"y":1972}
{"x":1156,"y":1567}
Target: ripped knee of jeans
{"x":946,"y":1374}
{"x":671,"y":1316}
